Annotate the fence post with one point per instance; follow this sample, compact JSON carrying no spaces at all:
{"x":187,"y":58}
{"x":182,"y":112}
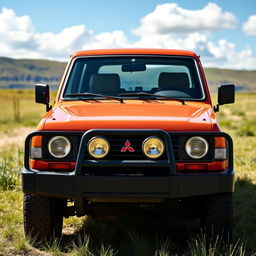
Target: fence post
{"x":16,"y":108}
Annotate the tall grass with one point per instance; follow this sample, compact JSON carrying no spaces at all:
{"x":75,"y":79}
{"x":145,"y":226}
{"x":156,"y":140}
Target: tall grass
{"x":11,"y":161}
{"x":199,"y":247}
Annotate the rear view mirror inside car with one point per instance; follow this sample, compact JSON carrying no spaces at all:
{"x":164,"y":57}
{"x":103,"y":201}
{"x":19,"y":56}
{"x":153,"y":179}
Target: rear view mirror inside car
{"x":133,"y":67}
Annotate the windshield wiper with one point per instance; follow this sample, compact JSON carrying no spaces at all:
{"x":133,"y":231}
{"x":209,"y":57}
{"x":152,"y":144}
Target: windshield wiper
{"x":145,"y":94}
{"x":88,"y":94}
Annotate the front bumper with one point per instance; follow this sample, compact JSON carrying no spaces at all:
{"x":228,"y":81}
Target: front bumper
{"x":178,"y":186}
{"x":174,"y":185}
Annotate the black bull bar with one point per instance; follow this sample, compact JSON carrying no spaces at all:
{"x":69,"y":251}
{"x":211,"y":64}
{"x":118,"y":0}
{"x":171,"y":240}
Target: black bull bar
{"x":76,"y":184}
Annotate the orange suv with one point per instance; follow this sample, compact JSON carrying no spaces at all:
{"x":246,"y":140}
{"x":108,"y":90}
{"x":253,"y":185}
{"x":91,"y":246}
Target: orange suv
{"x":129,"y":128}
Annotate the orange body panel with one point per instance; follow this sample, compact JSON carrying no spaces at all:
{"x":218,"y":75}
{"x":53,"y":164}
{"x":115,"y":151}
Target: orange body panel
{"x":132,"y":114}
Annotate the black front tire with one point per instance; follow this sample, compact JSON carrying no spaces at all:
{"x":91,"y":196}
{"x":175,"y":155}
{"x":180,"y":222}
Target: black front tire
{"x":43,"y":217}
{"x":217,"y":219}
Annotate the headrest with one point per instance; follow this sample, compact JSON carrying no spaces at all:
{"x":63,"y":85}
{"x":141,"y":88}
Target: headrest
{"x":104,"y":83}
{"x":174,"y":81}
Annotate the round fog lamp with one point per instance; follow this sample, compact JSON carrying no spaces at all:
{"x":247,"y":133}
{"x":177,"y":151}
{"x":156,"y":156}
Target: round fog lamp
{"x":196,"y":147}
{"x":59,"y":146}
{"x":153,"y":147}
{"x":98,"y":147}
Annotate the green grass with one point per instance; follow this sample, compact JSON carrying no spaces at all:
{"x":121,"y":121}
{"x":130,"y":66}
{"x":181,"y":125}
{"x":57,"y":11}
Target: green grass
{"x":10,"y":166}
{"x":137,"y":235}
{"x":18,"y":109}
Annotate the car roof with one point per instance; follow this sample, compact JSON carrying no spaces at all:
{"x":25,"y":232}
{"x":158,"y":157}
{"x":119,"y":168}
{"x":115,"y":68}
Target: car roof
{"x":134,"y":52}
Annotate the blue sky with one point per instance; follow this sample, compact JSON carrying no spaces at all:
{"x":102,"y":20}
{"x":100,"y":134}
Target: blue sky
{"x":222,"y":32}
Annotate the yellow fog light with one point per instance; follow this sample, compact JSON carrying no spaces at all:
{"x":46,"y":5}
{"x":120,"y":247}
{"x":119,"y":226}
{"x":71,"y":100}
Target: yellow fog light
{"x":98,"y":147}
{"x":153,"y":147}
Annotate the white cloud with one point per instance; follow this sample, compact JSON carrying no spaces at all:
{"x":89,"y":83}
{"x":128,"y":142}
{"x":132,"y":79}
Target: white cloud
{"x":249,"y":27}
{"x":15,"y":31}
{"x":224,"y":55}
{"x":193,"y":41}
{"x":170,"y":26}
{"x":8,"y":20}
{"x":19,"y":38}
{"x":170,"y":18}
{"x":63,"y":43}
{"x":221,"y":54}
{"x":115,"y":39}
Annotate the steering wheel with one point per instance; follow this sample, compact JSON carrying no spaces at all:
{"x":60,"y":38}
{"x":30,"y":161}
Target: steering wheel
{"x":165,"y":91}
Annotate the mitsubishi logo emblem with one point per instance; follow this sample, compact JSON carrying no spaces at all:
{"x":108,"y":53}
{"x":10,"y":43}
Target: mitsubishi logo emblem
{"x":127,"y":147}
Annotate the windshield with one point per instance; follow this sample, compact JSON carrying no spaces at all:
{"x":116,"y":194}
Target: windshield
{"x":114,"y":76}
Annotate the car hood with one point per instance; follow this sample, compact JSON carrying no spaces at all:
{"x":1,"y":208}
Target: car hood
{"x":170,"y":116}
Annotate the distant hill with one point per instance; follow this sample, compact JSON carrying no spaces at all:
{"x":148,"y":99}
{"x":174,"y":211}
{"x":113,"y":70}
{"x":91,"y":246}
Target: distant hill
{"x":24,"y":73}
{"x":243,"y":79}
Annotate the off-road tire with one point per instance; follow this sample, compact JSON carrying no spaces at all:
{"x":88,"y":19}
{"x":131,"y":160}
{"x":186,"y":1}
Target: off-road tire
{"x":43,"y":217}
{"x":217,"y":218}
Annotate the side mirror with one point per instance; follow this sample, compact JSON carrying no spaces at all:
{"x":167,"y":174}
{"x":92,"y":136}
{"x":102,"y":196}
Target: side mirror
{"x":42,"y":95}
{"x":226,"y":95}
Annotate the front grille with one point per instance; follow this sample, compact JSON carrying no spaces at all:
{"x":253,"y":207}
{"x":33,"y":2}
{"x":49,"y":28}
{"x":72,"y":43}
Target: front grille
{"x":176,"y":147}
{"x":117,"y":143}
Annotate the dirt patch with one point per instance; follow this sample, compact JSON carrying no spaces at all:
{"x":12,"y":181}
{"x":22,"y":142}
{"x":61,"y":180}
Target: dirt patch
{"x":31,"y":252}
{"x":16,"y":137}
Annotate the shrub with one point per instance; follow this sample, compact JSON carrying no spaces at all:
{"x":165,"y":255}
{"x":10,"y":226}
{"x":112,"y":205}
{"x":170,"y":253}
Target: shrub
{"x":10,"y":171}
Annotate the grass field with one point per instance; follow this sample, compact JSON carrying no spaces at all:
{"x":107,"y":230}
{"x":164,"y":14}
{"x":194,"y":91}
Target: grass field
{"x":18,"y":109}
{"x":133,"y":234}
